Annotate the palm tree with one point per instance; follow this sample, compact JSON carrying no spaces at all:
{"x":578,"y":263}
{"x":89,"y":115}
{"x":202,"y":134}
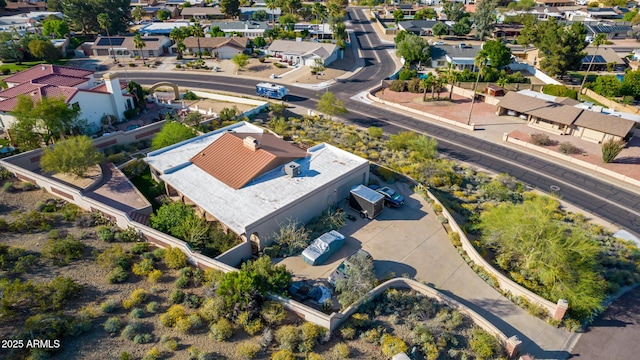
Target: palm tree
{"x":105,"y":23}
{"x":197,"y":31}
{"x":452,"y":77}
{"x":178,"y":35}
{"x":139,"y":44}
{"x":480,"y":62}
{"x":137,"y":13}
{"x":426,"y":83}
{"x":600,"y":39}
{"x":320,"y":11}
{"x":440,"y":82}
{"x":272,"y":6}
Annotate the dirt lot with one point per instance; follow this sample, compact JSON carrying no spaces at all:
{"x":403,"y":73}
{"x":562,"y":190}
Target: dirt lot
{"x":97,"y":343}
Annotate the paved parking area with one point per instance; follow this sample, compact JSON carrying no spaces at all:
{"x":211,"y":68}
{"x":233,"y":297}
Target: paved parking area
{"x":399,"y":240}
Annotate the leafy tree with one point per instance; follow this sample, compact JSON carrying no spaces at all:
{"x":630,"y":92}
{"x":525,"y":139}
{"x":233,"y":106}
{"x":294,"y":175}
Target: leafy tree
{"x":330,"y":105}
{"x":231,"y":8}
{"x":560,"y":48}
{"x":484,"y":18}
{"x":398,"y":15}
{"x":413,"y":48}
{"x":136,"y":13}
{"x":497,"y":52}
{"x":72,"y":156}
{"x":631,"y":84}
{"x":548,"y":256}
{"x":425,"y":14}
{"x":44,"y":121}
{"x":10,"y":49}
{"x":81,"y":14}
{"x":172,"y":132}
{"x":360,"y":279}
{"x":44,"y":49}
{"x":55,"y":27}
{"x":163,"y":14}
{"x":440,"y":29}
{"x":462,"y":27}
{"x":169,"y":218}
{"x":216,"y":32}
{"x":320,"y":11}
{"x":259,"y":42}
{"x":260,"y":15}
{"x":197,"y":31}
{"x":608,"y":86}
{"x":240,"y":60}
{"x":288,"y":21}
{"x":453,"y":10}
{"x":400,"y":35}
{"x":139,"y":44}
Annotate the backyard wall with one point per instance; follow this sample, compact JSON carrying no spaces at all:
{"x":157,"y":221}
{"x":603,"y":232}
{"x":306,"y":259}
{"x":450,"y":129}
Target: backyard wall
{"x":536,"y":72}
{"x":610,"y":103}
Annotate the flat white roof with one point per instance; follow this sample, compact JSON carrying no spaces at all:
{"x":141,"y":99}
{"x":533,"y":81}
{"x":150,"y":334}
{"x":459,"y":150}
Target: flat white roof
{"x":171,"y":157}
{"x":162,"y":26}
{"x":264,"y":195}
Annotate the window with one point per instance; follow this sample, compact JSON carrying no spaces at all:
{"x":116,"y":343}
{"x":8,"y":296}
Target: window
{"x":150,"y":52}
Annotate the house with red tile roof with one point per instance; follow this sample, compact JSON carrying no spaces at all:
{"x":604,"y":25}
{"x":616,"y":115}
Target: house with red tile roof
{"x":251,"y":181}
{"x":77,"y":87}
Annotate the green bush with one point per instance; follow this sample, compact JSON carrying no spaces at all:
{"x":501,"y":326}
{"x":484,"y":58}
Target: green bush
{"x":174,"y":258}
{"x":177,"y":296}
{"x":136,"y":313}
{"x":113,"y":324}
{"x":109,"y":306}
{"x":137,"y":297}
{"x":130,"y":113}
{"x":568,"y":148}
{"x":152,"y":307}
{"x":483,"y":344}
{"x":143,"y":268}
{"x":63,"y":251}
{"x":154,"y":276}
{"x":310,"y":335}
{"x":540,"y":139}
{"x":392,"y":345}
{"x":182,"y":282}
{"x":348,"y":333}
{"x":106,"y":233}
{"x":560,"y":90}
{"x":247,"y":350}
{"x":171,"y":344}
{"x":288,"y":337}
{"x":283,"y":355}
{"x":221,"y":330}
{"x":398,"y":86}
{"x":143,"y":338}
{"x":139,"y":248}
{"x":118,"y":275}
{"x":342,"y":350}
{"x":131,"y":330}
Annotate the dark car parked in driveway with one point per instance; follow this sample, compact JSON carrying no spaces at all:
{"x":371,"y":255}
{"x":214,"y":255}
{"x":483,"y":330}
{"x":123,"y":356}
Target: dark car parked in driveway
{"x":391,"y":197}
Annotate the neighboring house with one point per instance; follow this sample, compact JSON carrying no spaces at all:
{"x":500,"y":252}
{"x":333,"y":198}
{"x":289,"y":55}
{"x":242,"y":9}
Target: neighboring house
{"x":319,"y":30}
{"x":151,"y":12}
{"x":610,"y":31}
{"x":137,"y":3}
{"x":541,"y":13}
{"x":565,"y":118}
{"x":603,"y":13}
{"x":251,"y":182}
{"x":162,"y":28}
{"x":202,"y":13}
{"x":28,"y":22}
{"x":250,"y":29}
{"x":407,"y":9}
{"x":459,"y":56}
{"x":246,"y":13}
{"x":76,"y":86}
{"x":554,"y":3}
{"x":123,"y":46}
{"x":25,"y":6}
{"x":220,"y":47}
{"x":603,"y":57}
{"x":506,"y":32}
{"x":303,"y":52}
{"x":419,"y":27}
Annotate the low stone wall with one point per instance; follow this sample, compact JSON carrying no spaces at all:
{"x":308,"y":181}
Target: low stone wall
{"x":610,"y":103}
{"x":601,"y":170}
{"x":417,"y":112}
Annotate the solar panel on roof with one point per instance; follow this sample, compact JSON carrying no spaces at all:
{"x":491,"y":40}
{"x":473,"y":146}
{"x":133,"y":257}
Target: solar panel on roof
{"x":598,"y":59}
{"x":151,"y":39}
{"x":111,"y":41}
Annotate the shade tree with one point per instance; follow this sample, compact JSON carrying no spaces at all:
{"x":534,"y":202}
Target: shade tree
{"x":73,"y":156}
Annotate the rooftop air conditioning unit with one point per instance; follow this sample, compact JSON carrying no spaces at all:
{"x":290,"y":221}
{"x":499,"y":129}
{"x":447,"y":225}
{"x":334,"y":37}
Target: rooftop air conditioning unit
{"x":292,"y":169}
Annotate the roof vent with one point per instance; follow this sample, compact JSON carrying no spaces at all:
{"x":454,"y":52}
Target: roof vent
{"x":292,"y":169}
{"x":43,"y":68}
{"x":251,"y":142}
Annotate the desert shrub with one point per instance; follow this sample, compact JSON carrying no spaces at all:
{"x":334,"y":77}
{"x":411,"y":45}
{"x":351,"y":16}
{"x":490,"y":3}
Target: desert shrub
{"x":540,"y":139}
{"x":392,"y":345}
{"x":143,"y":268}
{"x":137,"y":297}
{"x":213,"y":309}
{"x":152,"y":307}
{"x":371,"y":335}
{"x":106,"y":233}
{"x":131,"y":330}
{"x":5,"y":174}
{"x":611,"y":149}
{"x":130,"y":234}
{"x":113,"y":324}
{"x":221,"y":330}
{"x":375,"y":132}
{"x":172,"y":315}
{"x":283,"y":354}
{"x":288,"y":337}
{"x":143,"y":338}
{"x":254,"y":326}
{"x":193,"y":301}
{"x":188,"y":323}
{"x":113,"y":256}
{"x":152,"y":354}
{"x":174,"y":258}
{"x":117,"y":275}
{"x":63,"y":251}
{"x":414,"y":85}
{"x":109,"y":306}
{"x":313,"y":356}
{"x":139,"y":248}
{"x":247,"y":350}
{"x":454,"y":236}
{"x":154,"y":276}
{"x":7,"y":187}
{"x":342,"y":350}
{"x":398,"y":85}
{"x":177,"y":296}
{"x":568,"y":148}
{"x":348,"y":333}
{"x":273,"y":312}
{"x":136,"y":313}
{"x":483,"y":344}
{"x":182,"y":282}
{"x":171,"y":344}
{"x":310,"y":335}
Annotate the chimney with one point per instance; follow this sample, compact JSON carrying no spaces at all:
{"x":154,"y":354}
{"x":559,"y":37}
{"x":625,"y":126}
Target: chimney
{"x":251,"y":142}
{"x":112,"y":84}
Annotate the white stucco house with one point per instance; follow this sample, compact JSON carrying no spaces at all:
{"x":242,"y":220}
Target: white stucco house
{"x":251,"y":181}
{"x":77,"y":87}
{"x":304,"y":52}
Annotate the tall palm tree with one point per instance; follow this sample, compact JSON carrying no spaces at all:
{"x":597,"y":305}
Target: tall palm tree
{"x":320,"y":11}
{"x":272,"y":6}
{"x":139,"y":44}
{"x":425,"y":84}
{"x":440,"y":82}
{"x":600,"y":39}
{"x":105,"y":23}
{"x":452,"y":77}
{"x":178,"y":35}
{"x":480,"y":62}
{"x":197,"y":31}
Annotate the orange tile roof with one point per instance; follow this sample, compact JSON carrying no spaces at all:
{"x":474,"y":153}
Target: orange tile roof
{"x":229,"y":160}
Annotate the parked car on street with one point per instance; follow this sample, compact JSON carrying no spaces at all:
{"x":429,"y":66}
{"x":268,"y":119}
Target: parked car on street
{"x":391,"y":197}
{"x":340,"y":273}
